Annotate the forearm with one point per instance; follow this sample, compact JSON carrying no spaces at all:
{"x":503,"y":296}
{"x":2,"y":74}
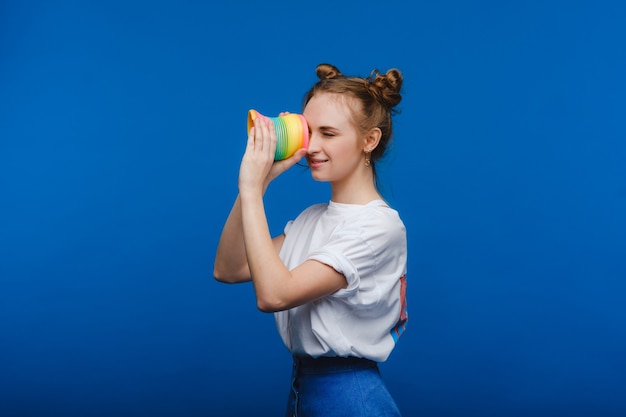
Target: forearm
{"x":269,"y":274}
{"x":231,"y":264}
{"x":257,"y":251}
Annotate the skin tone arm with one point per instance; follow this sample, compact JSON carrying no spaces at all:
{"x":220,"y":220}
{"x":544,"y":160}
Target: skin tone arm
{"x":276,"y":287}
{"x":231,"y":263}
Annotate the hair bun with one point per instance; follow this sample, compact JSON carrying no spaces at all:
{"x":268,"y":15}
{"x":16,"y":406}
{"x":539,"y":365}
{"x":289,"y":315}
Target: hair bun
{"x":327,"y":71}
{"x":386,"y":87}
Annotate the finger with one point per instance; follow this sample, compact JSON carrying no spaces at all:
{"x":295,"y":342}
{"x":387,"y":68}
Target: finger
{"x":292,"y":160}
{"x":271,"y":148}
{"x":261,"y":128}
{"x":297,"y":156}
{"x":251,"y":138}
{"x":269,"y":136}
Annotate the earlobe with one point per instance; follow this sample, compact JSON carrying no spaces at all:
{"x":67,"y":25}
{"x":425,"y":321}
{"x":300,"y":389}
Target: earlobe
{"x":372,"y":139}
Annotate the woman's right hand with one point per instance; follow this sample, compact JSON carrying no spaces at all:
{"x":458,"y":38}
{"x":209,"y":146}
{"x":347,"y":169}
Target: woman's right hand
{"x":278,"y":167}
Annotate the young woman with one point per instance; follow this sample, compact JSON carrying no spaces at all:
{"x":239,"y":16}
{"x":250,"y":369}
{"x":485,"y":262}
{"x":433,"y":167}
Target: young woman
{"x":335,"y":278}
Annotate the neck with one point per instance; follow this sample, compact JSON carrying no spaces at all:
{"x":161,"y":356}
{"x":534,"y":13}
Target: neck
{"x":359,"y":189}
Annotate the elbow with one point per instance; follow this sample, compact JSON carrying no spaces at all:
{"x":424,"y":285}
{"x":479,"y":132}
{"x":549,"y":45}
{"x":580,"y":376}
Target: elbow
{"x":222,"y":276}
{"x":217,"y":275}
{"x":227,"y":272}
{"x":270,"y":305}
{"x":267,"y":308}
{"x":271,"y":298}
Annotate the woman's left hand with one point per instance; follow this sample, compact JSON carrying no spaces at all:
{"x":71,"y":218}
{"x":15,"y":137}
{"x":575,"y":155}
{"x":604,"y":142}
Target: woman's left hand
{"x":259,"y":156}
{"x":258,"y":167}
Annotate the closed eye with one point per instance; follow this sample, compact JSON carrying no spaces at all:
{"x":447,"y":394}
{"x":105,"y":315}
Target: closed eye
{"x":328,"y":132}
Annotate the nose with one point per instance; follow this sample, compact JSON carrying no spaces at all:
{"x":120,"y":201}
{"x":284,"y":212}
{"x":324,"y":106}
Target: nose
{"x":313,"y":146}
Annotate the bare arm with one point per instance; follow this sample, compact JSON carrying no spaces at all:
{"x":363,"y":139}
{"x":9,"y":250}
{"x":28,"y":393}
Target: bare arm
{"x":231,"y":263}
{"x":276,"y":287}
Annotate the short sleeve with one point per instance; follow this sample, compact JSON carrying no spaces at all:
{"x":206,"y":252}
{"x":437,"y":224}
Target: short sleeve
{"x":364,"y":249}
{"x":349,"y":255}
{"x":287,"y":227}
{"x":367,"y":244}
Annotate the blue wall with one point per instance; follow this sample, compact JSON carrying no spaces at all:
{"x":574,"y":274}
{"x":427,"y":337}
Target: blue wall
{"x":122,"y":125}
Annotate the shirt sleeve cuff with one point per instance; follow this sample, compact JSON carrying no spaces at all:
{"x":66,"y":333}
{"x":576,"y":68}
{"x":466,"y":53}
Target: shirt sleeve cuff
{"x":342,"y":265}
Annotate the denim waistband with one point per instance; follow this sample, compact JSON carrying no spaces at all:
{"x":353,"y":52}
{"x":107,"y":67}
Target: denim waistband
{"x":309,"y":364}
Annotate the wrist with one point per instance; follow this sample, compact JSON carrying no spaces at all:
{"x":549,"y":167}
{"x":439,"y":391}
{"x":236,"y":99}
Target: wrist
{"x":248,"y":194}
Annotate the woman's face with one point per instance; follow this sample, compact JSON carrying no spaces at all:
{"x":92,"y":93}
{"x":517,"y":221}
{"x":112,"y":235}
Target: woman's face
{"x":335,"y":148}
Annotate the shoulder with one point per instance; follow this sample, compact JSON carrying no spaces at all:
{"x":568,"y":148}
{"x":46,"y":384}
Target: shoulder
{"x":313,"y":210}
{"x":308,"y":216}
{"x":378,"y":215}
{"x":376,"y":224}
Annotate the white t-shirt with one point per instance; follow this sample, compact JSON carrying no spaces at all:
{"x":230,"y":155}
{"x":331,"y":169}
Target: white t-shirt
{"x":367,"y":244}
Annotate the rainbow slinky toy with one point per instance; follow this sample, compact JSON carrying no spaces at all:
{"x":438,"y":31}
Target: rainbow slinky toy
{"x":292,"y":132}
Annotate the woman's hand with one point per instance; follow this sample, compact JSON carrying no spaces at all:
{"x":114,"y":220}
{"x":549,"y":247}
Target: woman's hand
{"x":258,"y":167}
{"x":258,"y":158}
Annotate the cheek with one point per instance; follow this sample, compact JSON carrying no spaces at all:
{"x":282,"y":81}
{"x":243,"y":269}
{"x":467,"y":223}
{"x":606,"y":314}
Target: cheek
{"x":348,"y":149}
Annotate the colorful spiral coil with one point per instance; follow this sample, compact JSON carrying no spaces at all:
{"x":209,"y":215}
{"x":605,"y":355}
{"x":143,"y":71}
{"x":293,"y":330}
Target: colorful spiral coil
{"x":292,"y":132}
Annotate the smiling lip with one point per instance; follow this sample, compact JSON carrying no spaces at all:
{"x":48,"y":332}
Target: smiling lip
{"x":316,"y":163}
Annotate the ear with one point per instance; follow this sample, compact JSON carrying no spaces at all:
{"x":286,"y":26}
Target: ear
{"x":372,"y":138}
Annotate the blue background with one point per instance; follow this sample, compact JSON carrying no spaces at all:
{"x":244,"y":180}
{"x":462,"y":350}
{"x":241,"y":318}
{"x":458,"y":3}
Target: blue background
{"x":122,"y":125}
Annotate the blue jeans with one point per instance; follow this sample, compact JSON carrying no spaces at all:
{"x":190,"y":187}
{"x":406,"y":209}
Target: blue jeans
{"x":333,"y":387}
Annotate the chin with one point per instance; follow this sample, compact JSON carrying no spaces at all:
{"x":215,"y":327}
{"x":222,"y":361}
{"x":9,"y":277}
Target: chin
{"x":318,"y":177}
